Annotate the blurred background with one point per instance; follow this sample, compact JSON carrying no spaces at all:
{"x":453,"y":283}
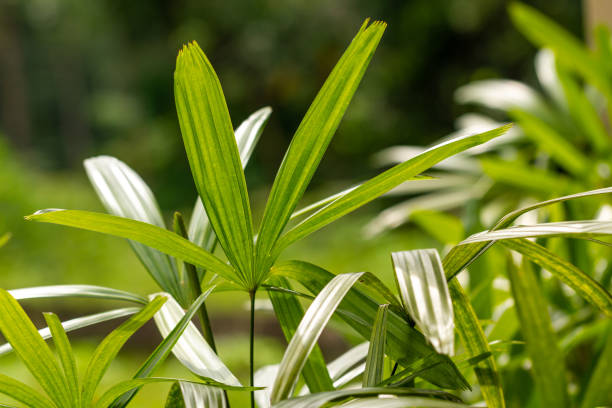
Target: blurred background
{"x":79,"y":79}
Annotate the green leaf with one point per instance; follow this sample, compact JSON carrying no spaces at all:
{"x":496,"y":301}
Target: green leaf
{"x":446,"y":228}
{"x":312,"y":138}
{"x":475,"y":342}
{"x":424,"y":292}
{"x":536,"y":181}
{"x":214,"y":158}
{"x":289,"y":313}
{"x":323,"y":398}
{"x":536,"y":328}
{"x":23,"y":393}
{"x":382,"y":183}
{"x":547,"y":139}
{"x":125,"y":194}
{"x":66,"y":357}
{"x":376,"y":353}
{"x":109,"y":347}
{"x":162,"y":351}
{"x":583,"y":111}
{"x":598,"y":389}
{"x":585,"y":286}
{"x":147,"y":234}
{"x":307,"y":333}
{"x":545,"y":33}
{"x":359,"y":311}
{"x":80,"y":322}
{"x":349,"y":365}
{"x":461,"y":255}
{"x":84,"y":291}
{"x":32,"y":349}
{"x":401,"y":402}
{"x":247,"y":136}
{"x":175,"y":397}
{"x":125,"y":386}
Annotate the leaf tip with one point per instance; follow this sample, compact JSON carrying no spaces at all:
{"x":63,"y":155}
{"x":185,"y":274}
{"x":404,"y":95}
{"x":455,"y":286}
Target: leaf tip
{"x":41,"y":212}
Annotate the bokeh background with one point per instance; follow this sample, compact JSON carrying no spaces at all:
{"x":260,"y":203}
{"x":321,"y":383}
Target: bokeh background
{"x":84,"y":78}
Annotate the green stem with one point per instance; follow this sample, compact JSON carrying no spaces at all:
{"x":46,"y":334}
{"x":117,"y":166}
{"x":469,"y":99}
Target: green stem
{"x":195,"y":285}
{"x":252,"y":347}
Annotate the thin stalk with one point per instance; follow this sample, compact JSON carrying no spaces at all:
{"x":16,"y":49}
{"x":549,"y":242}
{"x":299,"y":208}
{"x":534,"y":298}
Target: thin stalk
{"x":252,"y":347}
{"x":195,"y":285}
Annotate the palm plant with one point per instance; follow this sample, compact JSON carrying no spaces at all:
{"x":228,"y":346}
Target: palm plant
{"x":411,"y":339}
{"x":225,"y":216}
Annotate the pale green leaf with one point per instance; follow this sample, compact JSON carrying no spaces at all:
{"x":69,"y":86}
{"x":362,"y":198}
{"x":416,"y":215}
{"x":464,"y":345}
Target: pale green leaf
{"x":162,"y":351}
{"x":598,"y":389}
{"x":84,"y":291}
{"x":376,"y":353}
{"x":307,"y":333}
{"x":289,"y":313}
{"x":359,"y":311}
{"x":424,"y":292}
{"x":125,"y":194}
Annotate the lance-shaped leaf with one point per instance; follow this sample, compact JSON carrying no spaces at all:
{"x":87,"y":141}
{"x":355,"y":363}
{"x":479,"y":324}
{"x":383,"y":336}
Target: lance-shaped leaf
{"x":162,"y":351}
{"x":578,"y":229}
{"x":474,"y":340}
{"x":462,"y":254}
{"x":23,"y":393}
{"x":401,"y":402}
{"x":318,"y":314}
{"x":598,"y":389}
{"x":66,"y":357}
{"x":536,"y":328}
{"x":125,"y":194}
{"x":191,"y":349}
{"x":323,"y":398}
{"x":376,"y":353}
{"x":382,"y":183}
{"x":314,"y":135}
{"x":247,"y":136}
{"x":359,"y":311}
{"x":545,"y":33}
{"x":80,"y":322}
{"x":550,"y":141}
{"x":32,"y":350}
{"x":155,"y":237}
{"x":424,"y":292}
{"x":585,"y":286}
{"x":213,"y":156}
{"x":84,"y":291}
{"x":289,"y":313}
{"x":109,"y":347}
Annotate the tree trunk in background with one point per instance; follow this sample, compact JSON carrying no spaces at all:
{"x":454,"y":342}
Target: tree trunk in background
{"x":14,"y":113}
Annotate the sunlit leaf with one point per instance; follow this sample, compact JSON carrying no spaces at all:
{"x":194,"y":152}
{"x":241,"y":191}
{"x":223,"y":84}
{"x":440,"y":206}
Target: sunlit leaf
{"x":313,"y":136}
{"x":376,"y":353}
{"x":424,"y":292}
{"x":213,"y":156}
{"x":307,"y":333}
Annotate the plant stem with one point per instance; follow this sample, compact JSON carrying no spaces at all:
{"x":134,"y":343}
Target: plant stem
{"x":252,"y":347}
{"x":195,"y":285}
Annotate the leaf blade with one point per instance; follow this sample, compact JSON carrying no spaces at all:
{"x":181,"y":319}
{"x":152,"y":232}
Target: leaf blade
{"x":313,"y":136}
{"x":373,"y":372}
{"x":213,"y":156}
